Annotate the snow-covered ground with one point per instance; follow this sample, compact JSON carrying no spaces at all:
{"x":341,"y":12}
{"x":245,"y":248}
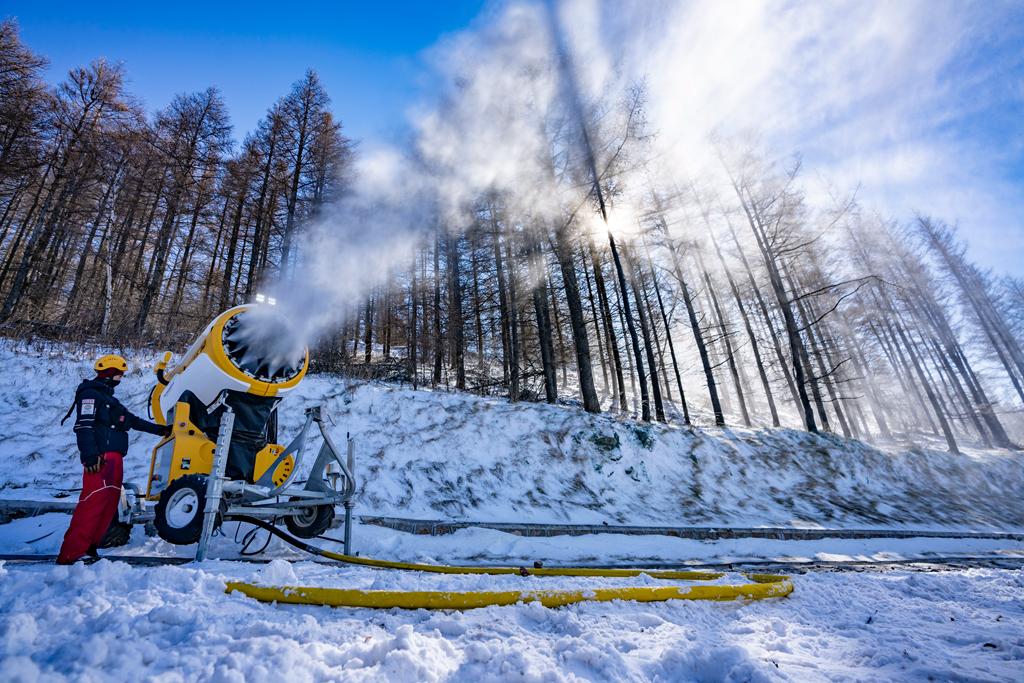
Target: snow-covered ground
{"x":112,"y":622}
{"x":450,"y":456}
{"x":42,"y":535}
{"x":444,"y":455}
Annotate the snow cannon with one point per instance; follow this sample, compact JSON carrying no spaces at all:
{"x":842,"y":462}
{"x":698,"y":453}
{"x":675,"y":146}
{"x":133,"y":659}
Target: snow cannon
{"x":222,"y":459}
{"x":248,"y":358}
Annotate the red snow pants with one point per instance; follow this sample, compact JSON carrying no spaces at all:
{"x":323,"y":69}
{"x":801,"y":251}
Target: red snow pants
{"x":101,"y":492}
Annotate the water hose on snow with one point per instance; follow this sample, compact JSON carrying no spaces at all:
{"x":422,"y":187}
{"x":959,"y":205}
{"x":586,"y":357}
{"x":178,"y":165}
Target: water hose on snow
{"x":761,"y":586}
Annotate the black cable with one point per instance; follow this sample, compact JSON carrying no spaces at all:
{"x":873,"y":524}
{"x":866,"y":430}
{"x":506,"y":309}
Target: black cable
{"x":42,"y":537}
{"x":287,"y":538}
{"x":329,"y":538}
{"x":249,"y":538}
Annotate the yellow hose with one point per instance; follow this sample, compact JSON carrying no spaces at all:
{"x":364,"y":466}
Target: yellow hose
{"x":522,"y":571}
{"x":763,"y":586}
{"x":450,"y":569}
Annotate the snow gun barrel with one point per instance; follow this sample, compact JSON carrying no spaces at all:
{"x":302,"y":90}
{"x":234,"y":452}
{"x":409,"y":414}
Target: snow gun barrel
{"x":250,"y":348}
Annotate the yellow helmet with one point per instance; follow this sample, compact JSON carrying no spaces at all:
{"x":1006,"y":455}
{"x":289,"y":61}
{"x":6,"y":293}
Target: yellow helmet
{"x":111,"y":361}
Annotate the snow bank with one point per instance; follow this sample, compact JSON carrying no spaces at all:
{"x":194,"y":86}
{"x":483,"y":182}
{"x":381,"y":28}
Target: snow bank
{"x":456,"y":456}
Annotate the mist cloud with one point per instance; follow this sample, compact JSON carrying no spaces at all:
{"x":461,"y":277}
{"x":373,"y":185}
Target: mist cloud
{"x":880,"y":95}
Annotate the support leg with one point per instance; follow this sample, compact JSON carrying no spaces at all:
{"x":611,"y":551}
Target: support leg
{"x":215,"y":484}
{"x":349,"y":504}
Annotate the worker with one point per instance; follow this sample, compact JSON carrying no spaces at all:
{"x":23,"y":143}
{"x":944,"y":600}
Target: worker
{"x":101,"y":426}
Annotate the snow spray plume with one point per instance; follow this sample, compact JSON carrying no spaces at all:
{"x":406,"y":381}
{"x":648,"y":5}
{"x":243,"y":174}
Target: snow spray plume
{"x":354,"y":244}
{"x":484,"y":137}
{"x":261,"y":342}
{"x":869,"y":76}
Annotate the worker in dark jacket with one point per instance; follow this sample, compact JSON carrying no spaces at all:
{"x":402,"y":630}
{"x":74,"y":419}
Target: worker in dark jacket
{"x":101,"y":426}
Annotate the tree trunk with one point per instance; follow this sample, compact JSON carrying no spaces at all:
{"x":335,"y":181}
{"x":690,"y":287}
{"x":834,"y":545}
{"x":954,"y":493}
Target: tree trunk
{"x":645,"y":401}
{"x":926,"y":385}
{"x":229,"y":262}
{"x":156,"y":273}
{"x":438,"y":347}
{"x":581,"y":342}
{"x":860,"y":366}
{"x":539,"y":280}
{"x":456,"y":327}
{"x":754,"y":347}
{"x":477,"y":310}
{"x":797,"y":351}
{"x":652,"y":366}
{"x":503,"y":303}
{"x":671,"y":346}
{"x":368,"y":332}
{"x":513,"y":322}
{"x":598,"y":335}
{"x":698,"y":335}
{"x":767,"y":318}
{"x":609,"y":328}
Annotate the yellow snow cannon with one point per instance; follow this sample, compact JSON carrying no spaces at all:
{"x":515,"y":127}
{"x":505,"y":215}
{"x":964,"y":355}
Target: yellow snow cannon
{"x":248,"y":353}
{"x":221,"y":399}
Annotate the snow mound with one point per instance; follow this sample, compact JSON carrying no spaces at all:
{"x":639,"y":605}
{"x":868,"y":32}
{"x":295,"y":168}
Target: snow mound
{"x":278,"y":573}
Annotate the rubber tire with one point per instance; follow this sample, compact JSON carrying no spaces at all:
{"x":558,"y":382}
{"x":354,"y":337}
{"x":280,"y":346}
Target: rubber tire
{"x":311,"y":524}
{"x":118,"y":534}
{"x":190,"y":532}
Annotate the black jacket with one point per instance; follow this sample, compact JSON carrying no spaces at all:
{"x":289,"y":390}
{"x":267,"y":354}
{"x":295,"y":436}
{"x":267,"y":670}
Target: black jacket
{"x":102,"y":423}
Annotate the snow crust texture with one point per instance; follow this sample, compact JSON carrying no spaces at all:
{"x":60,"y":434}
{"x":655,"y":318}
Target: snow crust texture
{"x":112,"y":622}
{"x":438,"y":455}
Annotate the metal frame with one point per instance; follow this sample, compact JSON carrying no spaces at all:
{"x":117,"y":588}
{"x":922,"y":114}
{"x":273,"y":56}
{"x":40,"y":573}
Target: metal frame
{"x":263,"y":498}
{"x":132,"y":509}
{"x":316,"y":491}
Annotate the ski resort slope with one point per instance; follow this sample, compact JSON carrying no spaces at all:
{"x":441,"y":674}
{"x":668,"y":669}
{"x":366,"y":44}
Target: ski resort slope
{"x":112,"y":622}
{"x":440,"y":455}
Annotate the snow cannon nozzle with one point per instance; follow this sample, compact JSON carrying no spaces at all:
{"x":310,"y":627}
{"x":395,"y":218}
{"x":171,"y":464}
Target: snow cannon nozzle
{"x":252,"y":349}
{"x":260,"y":342}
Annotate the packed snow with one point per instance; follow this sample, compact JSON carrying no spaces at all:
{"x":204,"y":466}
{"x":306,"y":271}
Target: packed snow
{"x":42,"y":534}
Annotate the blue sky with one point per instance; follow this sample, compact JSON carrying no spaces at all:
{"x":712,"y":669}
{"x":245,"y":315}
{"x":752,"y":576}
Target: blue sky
{"x":920,"y":102}
{"x":367,"y":53}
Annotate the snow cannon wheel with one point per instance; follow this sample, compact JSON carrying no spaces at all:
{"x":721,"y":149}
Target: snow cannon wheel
{"x":179,"y":511}
{"x":311,"y":521}
{"x":118,"y":534}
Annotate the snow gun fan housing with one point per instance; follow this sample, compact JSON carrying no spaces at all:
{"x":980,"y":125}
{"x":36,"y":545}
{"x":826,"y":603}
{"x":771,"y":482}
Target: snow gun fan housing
{"x":249,"y":356}
{"x":245,"y":349}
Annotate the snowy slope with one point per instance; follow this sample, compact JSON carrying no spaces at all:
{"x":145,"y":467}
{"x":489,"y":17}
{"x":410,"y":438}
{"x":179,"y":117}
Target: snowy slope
{"x":454,"y":456}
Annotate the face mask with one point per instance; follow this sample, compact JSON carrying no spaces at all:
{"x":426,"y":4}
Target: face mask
{"x":111,"y":381}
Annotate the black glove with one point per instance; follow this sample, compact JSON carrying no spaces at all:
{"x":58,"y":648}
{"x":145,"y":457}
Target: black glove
{"x":92,"y":463}
{"x":166,"y":430}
